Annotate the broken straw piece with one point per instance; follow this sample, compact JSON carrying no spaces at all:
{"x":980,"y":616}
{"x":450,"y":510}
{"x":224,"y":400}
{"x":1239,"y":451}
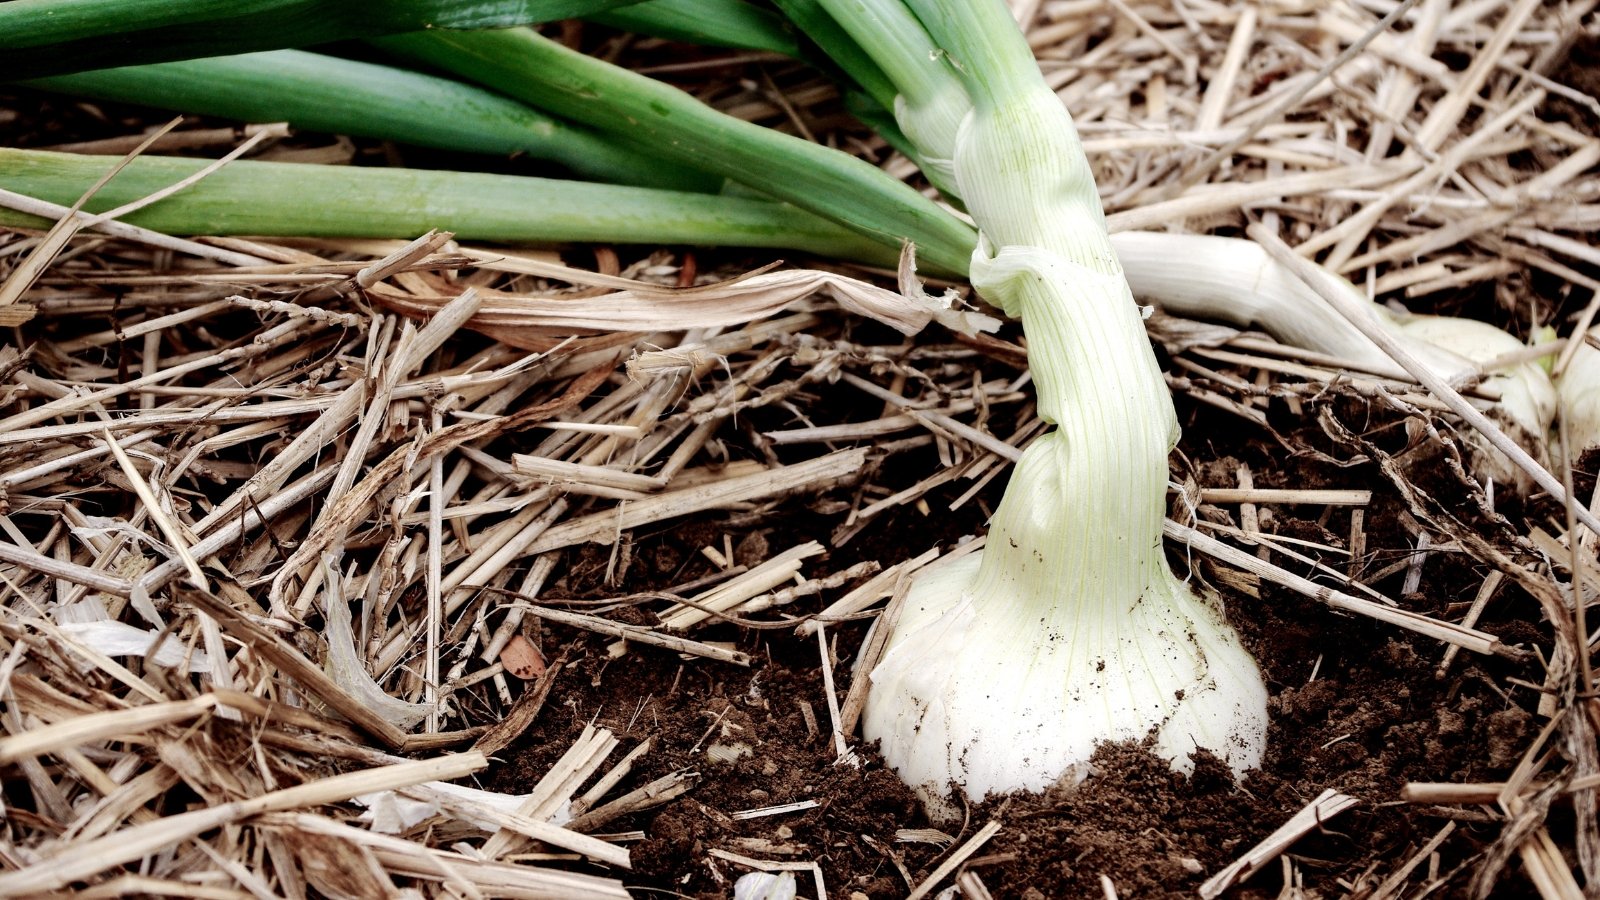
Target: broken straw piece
{"x":345,"y":667}
{"x":120,"y":639}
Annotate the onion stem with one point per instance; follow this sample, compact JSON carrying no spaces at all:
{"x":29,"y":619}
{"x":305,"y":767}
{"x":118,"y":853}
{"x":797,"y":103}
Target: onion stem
{"x":643,"y":111}
{"x":54,"y":37}
{"x":316,"y":92}
{"x":266,"y":198}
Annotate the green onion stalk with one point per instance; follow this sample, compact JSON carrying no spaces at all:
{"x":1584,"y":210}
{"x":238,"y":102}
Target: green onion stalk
{"x":317,"y":92}
{"x":296,"y":199}
{"x":55,"y":37}
{"x":928,"y":104}
{"x":722,"y":23}
{"x":1009,"y":666}
{"x":641,"y":111}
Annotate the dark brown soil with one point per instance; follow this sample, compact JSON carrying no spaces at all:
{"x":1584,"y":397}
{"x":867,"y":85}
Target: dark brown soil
{"x":1357,"y":707}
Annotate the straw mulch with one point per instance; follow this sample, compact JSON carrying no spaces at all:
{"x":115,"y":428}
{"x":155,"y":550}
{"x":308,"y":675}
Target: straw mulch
{"x":277,"y":516}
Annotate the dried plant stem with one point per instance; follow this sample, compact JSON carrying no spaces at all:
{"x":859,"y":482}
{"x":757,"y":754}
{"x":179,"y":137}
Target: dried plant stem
{"x":92,"y":857}
{"x":1308,"y":819}
{"x":1320,"y":281}
{"x":1467,"y":638}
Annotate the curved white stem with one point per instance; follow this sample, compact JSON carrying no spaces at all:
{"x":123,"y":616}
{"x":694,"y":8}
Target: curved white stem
{"x":1236,"y":281}
{"x":1068,"y":629}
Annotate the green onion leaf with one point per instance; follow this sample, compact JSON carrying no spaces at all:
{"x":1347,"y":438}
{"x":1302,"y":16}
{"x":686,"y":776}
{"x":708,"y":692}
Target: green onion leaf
{"x":324,"y":93}
{"x":52,"y":37}
{"x":293,"y":199}
{"x":680,"y":128}
{"x":718,"y":23}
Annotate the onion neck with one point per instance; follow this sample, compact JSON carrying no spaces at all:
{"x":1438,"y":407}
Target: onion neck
{"x":1080,"y":524}
{"x":1079,"y":528}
